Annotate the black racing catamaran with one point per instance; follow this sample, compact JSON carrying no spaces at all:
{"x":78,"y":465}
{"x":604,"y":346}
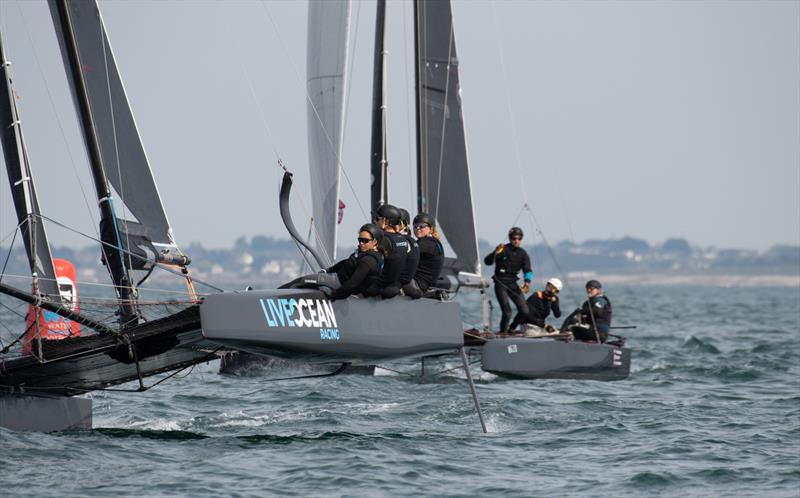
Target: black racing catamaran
{"x":142,"y":337}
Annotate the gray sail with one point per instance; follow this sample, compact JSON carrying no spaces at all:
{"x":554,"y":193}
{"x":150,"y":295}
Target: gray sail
{"x":442,"y":170}
{"x":121,"y":151}
{"x":23,"y":190}
{"x":328,"y":32}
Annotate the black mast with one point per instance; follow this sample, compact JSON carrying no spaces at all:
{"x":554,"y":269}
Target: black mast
{"x":378,"y":162}
{"x":113,"y":253}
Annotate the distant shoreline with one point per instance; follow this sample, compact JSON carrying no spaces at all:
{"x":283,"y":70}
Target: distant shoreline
{"x":707,"y":280}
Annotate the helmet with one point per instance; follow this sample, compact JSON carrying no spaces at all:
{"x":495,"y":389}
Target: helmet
{"x":593,"y":284}
{"x":515,"y":231}
{"x":390,"y":213}
{"x":425,"y":218}
{"x":373,"y":230}
{"x":556,"y":283}
{"x":405,"y":216}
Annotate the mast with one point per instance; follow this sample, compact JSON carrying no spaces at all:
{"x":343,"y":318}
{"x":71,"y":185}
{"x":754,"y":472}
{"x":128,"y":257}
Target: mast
{"x":23,"y":191}
{"x":112,"y":248}
{"x":421,"y":204}
{"x":379,"y":164}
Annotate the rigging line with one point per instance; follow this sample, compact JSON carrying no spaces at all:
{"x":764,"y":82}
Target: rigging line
{"x":8,"y":255}
{"x":552,"y":255}
{"x":58,"y":121}
{"x":316,"y":113}
{"x":125,"y":251}
{"x":450,"y":45}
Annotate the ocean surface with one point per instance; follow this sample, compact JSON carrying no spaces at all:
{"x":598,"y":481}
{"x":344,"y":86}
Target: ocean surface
{"x":712,"y":408}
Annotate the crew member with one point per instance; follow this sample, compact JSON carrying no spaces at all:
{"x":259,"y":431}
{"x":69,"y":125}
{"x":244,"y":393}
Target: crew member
{"x":509,"y":259}
{"x":395,"y":248}
{"x":431,"y":256}
{"x":592,"y":320}
{"x":540,"y":304}
{"x":412,"y":258}
{"x":363,"y":268}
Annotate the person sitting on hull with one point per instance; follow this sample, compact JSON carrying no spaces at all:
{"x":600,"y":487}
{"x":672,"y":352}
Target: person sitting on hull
{"x":509,"y":259}
{"x":362,"y":269}
{"x":431,"y":257}
{"x":395,"y":248}
{"x":412,"y":258}
{"x":592,"y":321}
{"x":540,"y":304}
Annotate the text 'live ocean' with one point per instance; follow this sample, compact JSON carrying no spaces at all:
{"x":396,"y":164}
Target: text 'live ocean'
{"x":302,"y":313}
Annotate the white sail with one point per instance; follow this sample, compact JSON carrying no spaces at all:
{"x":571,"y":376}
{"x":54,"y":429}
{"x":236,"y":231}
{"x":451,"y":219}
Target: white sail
{"x":328,"y":33}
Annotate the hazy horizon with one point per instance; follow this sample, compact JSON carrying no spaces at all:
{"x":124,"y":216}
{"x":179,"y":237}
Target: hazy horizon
{"x":645,"y":119}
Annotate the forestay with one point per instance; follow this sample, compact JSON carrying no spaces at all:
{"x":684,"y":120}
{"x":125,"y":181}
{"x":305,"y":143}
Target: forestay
{"x":328,"y":32}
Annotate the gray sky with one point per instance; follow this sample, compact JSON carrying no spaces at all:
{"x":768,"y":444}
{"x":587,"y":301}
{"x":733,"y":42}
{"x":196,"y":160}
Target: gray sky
{"x":649,"y":119}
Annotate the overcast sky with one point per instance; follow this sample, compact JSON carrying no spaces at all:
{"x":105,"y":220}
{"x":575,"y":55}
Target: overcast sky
{"x":648,"y":119}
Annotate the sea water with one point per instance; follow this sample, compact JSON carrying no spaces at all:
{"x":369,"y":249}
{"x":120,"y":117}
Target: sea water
{"x":712,"y":408}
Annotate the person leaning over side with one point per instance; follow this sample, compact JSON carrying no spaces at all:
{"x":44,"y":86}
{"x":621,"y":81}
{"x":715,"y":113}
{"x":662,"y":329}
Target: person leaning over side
{"x":509,"y":259}
{"x":431,"y":256}
{"x":412,"y":258}
{"x":396,"y":249}
{"x":540,"y":304}
{"x":363,"y":268}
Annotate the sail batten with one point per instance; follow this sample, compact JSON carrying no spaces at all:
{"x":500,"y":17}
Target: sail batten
{"x":443,"y":178}
{"x":327,"y":53}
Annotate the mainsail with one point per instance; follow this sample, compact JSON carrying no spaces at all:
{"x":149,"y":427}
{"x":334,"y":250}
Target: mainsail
{"x":442,"y":170}
{"x":121,"y":152}
{"x":328,"y":33}
{"x":22,"y":187}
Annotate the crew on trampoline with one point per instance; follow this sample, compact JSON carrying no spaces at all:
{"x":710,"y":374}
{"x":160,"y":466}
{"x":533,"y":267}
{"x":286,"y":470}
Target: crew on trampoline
{"x":362,"y":269}
{"x":412,"y":258}
{"x":509,"y":259}
{"x":396,"y":249}
{"x":431,"y":256}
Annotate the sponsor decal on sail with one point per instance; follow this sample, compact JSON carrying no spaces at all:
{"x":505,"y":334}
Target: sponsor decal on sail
{"x":302,"y":313}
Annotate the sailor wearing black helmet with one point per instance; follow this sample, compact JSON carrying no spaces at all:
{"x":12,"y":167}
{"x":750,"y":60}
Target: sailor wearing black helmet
{"x":509,"y":259}
{"x":593,"y":319}
{"x":362,"y":269}
{"x":431,"y":256}
{"x":396,"y":249}
{"x":412,"y":258}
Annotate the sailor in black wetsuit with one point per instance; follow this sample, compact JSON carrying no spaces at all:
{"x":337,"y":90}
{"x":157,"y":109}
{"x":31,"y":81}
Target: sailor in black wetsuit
{"x":593,"y":315}
{"x":509,"y":259}
{"x":431,"y":256}
{"x":539,"y":306}
{"x":412,"y":258}
{"x":395,"y":249}
{"x":363,"y":268}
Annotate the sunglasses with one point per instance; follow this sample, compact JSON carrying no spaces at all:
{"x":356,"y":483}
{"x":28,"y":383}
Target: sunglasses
{"x":362,"y":240}
{"x":421,"y":226}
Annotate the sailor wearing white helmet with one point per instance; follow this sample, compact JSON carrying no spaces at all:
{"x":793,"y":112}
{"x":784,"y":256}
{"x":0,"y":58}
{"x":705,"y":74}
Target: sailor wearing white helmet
{"x":540,"y":304}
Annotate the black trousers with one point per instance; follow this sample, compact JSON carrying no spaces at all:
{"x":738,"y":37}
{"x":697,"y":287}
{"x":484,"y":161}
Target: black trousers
{"x":505,"y":291}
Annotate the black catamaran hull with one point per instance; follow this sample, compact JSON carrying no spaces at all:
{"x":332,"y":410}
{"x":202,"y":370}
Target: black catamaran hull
{"x":543,"y":358}
{"x":303,"y":325}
